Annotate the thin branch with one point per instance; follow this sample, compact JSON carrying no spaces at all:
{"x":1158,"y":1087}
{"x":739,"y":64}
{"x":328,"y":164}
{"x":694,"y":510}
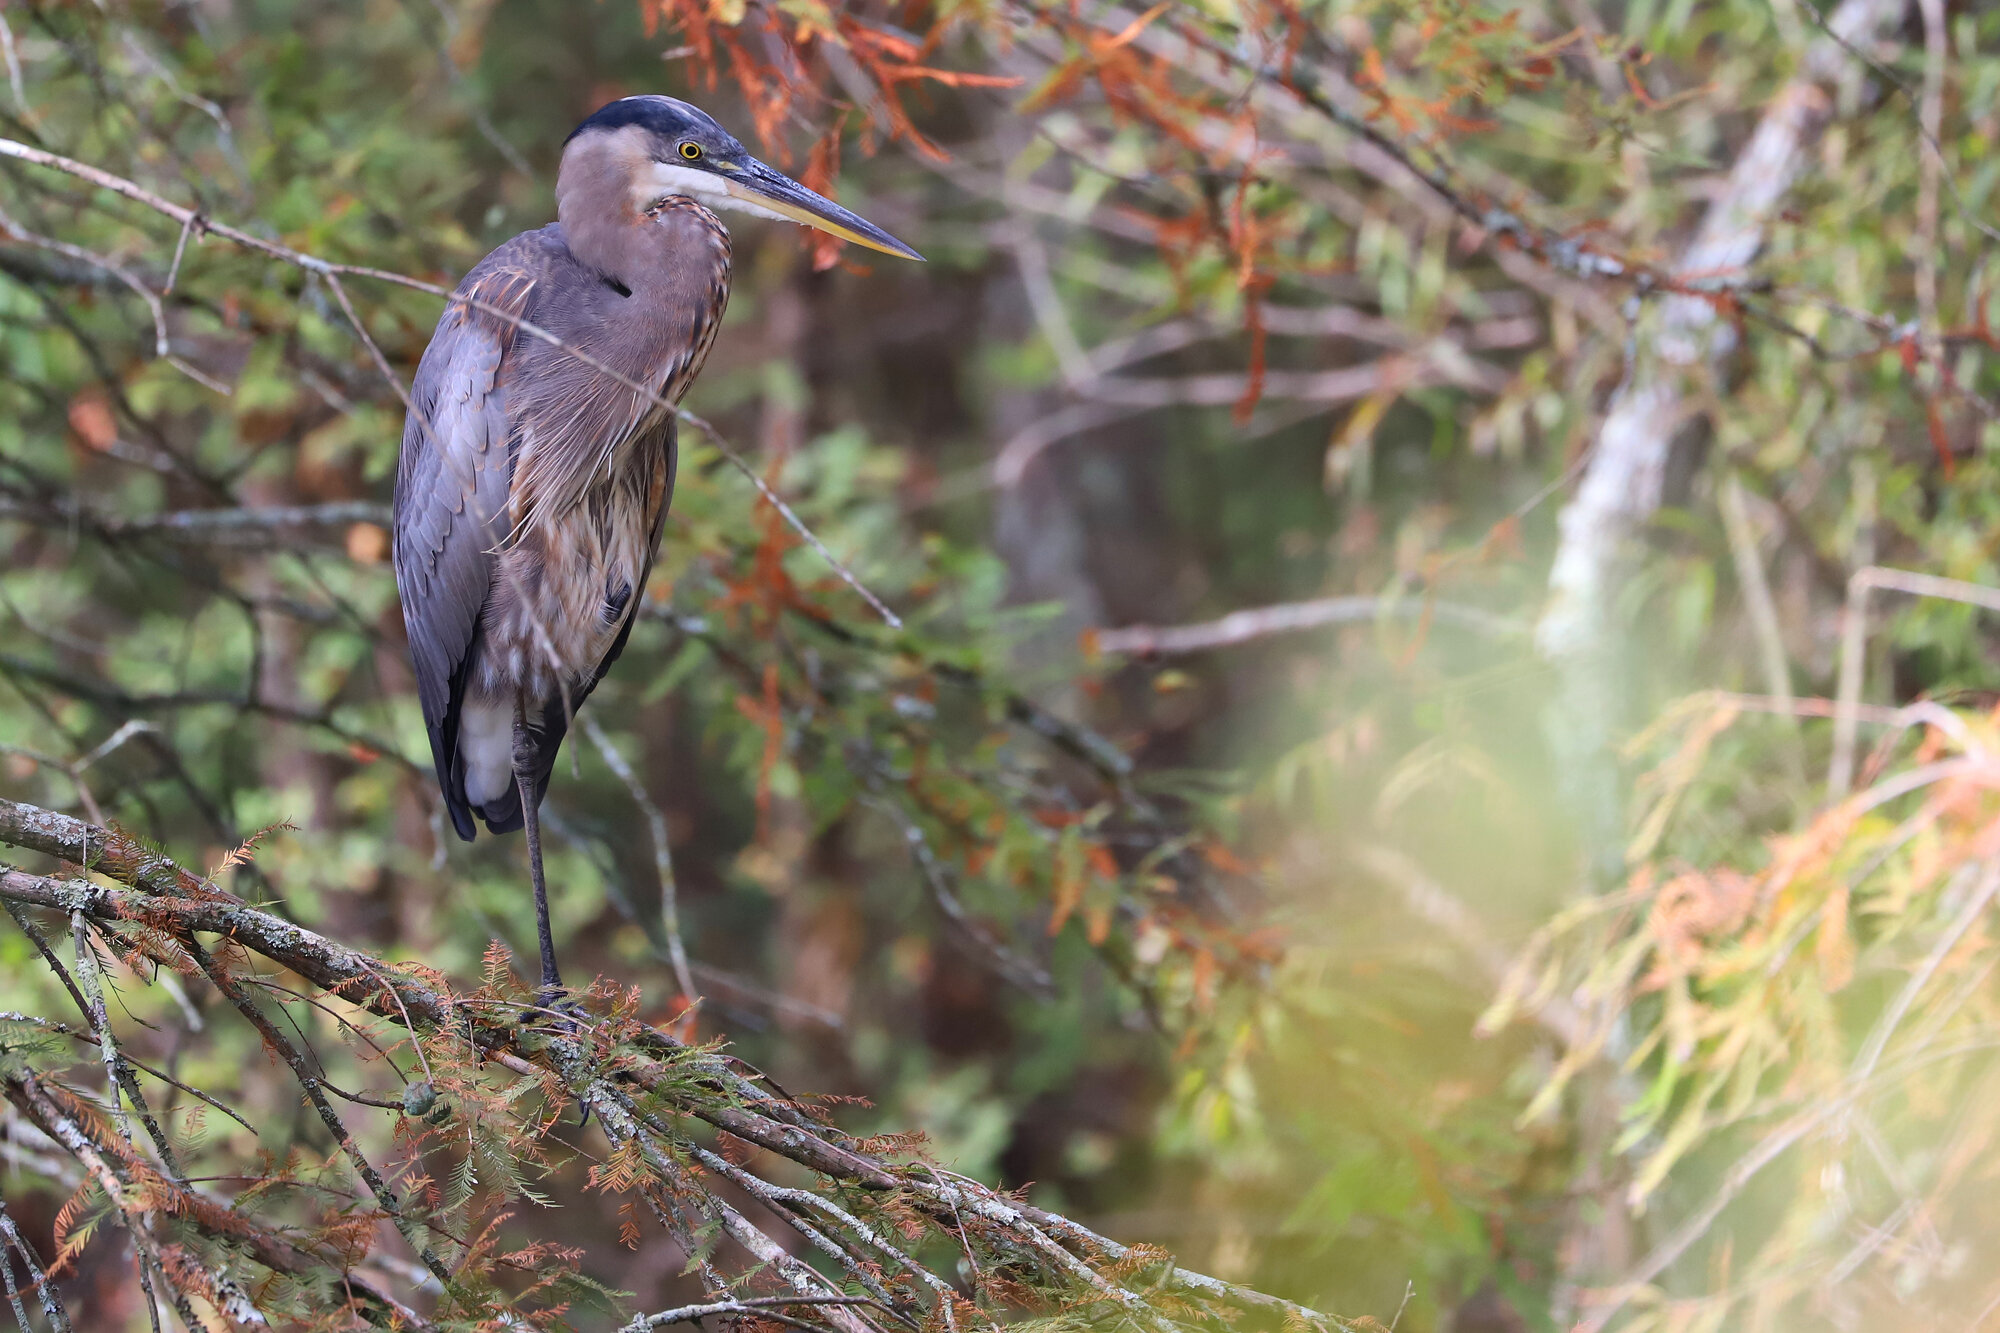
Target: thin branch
{"x":263,"y":526}
{"x":33,"y":1098}
{"x":64,"y":1030}
{"x":663,"y":857}
{"x":309,"y":1082}
{"x":1029,"y":976}
{"x":12,"y":58}
{"x":1758,"y":602}
{"x":27,"y":1093}
{"x":1853,"y":650}
{"x":1473,"y":936}
{"x":118,"y":1067}
{"x":1930,"y":115}
{"x":1239,"y":627}
{"x":1073,"y":738}
{"x":752,"y":1305}
{"x":52,"y":1306}
{"x":6,"y":1257}
{"x":162,"y":345}
{"x":1439,"y":363}
{"x":788,"y":1204}
{"x":109,"y":696}
{"x":188,"y":228}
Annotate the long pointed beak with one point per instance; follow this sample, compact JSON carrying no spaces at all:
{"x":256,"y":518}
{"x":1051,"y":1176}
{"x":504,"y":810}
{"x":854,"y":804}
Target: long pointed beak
{"x":762,"y":187}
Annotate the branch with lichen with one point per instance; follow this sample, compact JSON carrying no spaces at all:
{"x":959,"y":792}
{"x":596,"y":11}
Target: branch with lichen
{"x":871,"y":1241}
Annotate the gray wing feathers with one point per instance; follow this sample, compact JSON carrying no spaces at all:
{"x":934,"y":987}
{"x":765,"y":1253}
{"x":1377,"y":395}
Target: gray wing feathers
{"x":451,"y":503}
{"x":504,"y":427}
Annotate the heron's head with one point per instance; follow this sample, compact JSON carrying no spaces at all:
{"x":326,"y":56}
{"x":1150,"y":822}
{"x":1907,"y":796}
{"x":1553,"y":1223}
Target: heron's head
{"x":659,"y":146}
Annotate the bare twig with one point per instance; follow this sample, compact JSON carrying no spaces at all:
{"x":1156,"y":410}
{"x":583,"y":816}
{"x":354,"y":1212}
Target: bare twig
{"x":753,"y":1305}
{"x":663,"y":857}
{"x":100,"y":693}
{"x":63,"y":1029}
{"x":1009,"y":965}
{"x":1853,"y":649}
{"x":1930,"y":116}
{"x":309,"y":1082}
{"x":1757,"y":601}
{"x":191,"y":227}
{"x":162,"y":345}
{"x":1444,"y":910}
{"x":232,"y":526}
{"x":12,"y":57}
{"x":52,"y":1306}
{"x":1295,"y":617}
{"x":1443,"y":362}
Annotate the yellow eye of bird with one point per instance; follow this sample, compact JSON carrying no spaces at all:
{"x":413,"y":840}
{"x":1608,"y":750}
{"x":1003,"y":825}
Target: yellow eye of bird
{"x":691,"y":151}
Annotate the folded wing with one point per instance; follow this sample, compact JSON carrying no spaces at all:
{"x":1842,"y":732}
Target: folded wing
{"x":451,"y":494}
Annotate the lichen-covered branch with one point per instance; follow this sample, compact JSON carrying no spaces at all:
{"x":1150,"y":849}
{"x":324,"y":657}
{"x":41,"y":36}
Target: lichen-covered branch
{"x":886,"y":1226}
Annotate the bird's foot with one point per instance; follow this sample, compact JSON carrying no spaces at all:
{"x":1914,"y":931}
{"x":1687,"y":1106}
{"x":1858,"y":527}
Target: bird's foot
{"x":561,"y":1010}
{"x":564,"y":1015}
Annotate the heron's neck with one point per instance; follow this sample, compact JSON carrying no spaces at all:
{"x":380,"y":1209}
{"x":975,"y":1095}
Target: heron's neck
{"x":608,"y":236}
{"x":600,"y":218}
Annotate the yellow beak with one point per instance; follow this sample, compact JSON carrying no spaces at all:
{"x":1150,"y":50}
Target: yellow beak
{"x":762,"y":187}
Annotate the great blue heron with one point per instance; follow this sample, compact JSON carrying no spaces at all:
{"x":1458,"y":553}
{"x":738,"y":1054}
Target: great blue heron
{"x":533,"y":484}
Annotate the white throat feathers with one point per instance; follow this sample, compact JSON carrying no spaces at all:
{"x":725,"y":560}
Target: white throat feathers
{"x":704,"y":187}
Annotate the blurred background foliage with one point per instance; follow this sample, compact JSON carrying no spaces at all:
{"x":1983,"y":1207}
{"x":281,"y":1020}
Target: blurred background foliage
{"x":1246,"y":305}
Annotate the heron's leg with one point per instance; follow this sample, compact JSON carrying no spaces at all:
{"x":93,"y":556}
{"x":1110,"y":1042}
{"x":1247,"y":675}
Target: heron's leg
{"x":524,"y":782}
